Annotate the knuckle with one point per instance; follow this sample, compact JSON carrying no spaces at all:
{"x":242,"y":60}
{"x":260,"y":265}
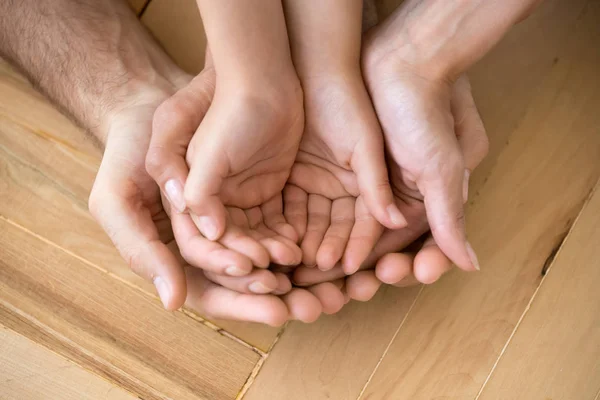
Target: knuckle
{"x":156,"y":159}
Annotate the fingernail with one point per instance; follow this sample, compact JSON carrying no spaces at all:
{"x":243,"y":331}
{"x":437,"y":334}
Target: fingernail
{"x":396,"y":216}
{"x":234,"y":271}
{"x":466,"y":186}
{"x":473,"y":256}
{"x":259,"y":288}
{"x":163,"y":289}
{"x":174,"y":192}
{"x":208,"y":227}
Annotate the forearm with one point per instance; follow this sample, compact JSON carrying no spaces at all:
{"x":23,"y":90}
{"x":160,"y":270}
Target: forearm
{"x":325,"y":36}
{"x":444,"y":38}
{"x":88,"y":56}
{"x":248,"y":40}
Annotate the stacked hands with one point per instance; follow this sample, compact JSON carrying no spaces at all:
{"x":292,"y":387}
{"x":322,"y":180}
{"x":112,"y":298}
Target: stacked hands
{"x":295,"y":168}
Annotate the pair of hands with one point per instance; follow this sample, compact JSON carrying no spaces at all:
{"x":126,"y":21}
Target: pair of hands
{"x":126,"y":200}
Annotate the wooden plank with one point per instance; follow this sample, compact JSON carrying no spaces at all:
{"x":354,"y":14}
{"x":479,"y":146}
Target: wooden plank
{"x":325,"y":360}
{"x":178,"y":27}
{"x":112,"y":329}
{"x":555,"y":352}
{"x":542,"y":161}
{"x":457,"y":329}
{"x":45,"y":159}
{"x":29,"y":371}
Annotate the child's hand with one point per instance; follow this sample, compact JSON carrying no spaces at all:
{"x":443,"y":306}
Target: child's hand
{"x":261,"y":236}
{"x":243,"y":151}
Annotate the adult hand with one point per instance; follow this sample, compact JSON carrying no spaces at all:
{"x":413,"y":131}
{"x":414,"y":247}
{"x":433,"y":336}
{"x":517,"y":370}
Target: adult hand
{"x":427,"y":263}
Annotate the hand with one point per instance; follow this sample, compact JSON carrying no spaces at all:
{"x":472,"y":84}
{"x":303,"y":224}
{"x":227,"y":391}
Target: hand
{"x":341,"y":168}
{"x":127,"y":203}
{"x":175,"y":121}
{"x":421,"y":124}
{"x":427,"y":263}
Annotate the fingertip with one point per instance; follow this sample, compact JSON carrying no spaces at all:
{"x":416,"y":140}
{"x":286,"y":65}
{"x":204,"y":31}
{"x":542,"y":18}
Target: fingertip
{"x":362,"y":286}
{"x":171,"y":294}
{"x":302,"y":305}
{"x":397,"y":219}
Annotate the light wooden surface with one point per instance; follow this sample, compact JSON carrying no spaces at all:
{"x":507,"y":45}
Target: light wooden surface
{"x":29,"y":371}
{"x":76,"y":323}
{"x":548,"y":358}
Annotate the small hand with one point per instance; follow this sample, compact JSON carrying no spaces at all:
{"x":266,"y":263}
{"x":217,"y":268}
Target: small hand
{"x":341,"y":169}
{"x":175,"y":126}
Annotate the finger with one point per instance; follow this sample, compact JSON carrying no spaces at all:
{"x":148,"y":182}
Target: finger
{"x":205,"y":254}
{"x":283,"y":284}
{"x":363,"y":285}
{"x":319,"y":211}
{"x":217,"y":302}
{"x":295,"y":208}
{"x":208,"y":169}
{"x":329,"y":295}
{"x":394,"y":267}
{"x":365,"y":233}
{"x":274,"y":219}
{"x":282,"y":250}
{"x":134,"y":234}
{"x":368,"y":162}
{"x":173,"y":126}
{"x":430,"y":263}
{"x":337,"y":235}
{"x":442,"y":188}
{"x":469,"y":128}
{"x":259,"y":281}
{"x":302,"y":305}
{"x":241,"y":241}
{"x":306,"y":276}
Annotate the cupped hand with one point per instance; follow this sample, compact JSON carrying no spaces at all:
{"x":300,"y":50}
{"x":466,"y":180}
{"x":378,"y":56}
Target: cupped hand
{"x":340,"y":168}
{"x":427,"y":263}
{"x":126,"y":201}
{"x":420,"y":121}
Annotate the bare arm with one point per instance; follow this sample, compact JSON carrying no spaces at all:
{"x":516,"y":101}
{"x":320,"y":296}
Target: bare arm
{"x":444,"y":38}
{"x":248,"y":40}
{"x":89,"y":57}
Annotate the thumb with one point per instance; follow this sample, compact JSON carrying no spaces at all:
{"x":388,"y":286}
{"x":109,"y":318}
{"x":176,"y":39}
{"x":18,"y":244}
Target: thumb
{"x":209,"y":168}
{"x":442,"y":188}
{"x":368,"y":162}
{"x":133,"y":232}
{"x":174,"y":124}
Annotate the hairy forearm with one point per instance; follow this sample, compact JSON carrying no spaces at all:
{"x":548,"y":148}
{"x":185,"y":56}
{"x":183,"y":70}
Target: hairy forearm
{"x":248,"y":39}
{"x":444,"y":38}
{"x":88,"y":56}
{"x":324,"y":35}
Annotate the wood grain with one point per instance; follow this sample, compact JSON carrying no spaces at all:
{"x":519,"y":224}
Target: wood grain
{"x":45,"y":159}
{"x":29,"y":371}
{"x":458,"y":328}
{"x":179,"y":29}
{"x":111,"y":328}
{"x":332,"y":358}
{"x":555,"y":352}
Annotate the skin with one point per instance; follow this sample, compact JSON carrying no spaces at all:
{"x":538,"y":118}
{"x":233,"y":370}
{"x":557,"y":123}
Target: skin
{"x":242,"y":152}
{"x":412,"y":61}
{"x":118,"y":77}
{"x":340,"y":167}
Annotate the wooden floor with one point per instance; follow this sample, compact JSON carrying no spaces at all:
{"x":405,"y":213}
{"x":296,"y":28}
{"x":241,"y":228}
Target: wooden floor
{"x":75,"y":323}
